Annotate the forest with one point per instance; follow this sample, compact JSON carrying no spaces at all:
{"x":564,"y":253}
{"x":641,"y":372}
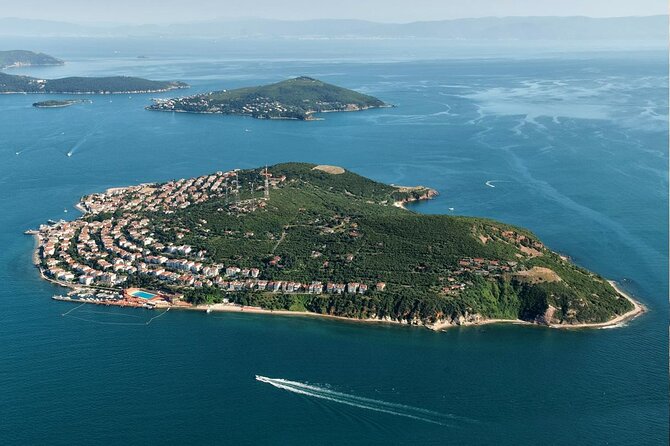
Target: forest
{"x":344,"y":228}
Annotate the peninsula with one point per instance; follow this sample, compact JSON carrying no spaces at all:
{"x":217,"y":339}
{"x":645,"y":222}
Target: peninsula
{"x":299,"y":238}
{"x":10,"y":83}
{"x":22,"y":58}
{"x":298,"y":98}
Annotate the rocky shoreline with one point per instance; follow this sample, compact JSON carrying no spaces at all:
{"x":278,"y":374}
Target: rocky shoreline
{"x":467,"y":320}
{"x":441,"y":325}
{"x":429,"y":194}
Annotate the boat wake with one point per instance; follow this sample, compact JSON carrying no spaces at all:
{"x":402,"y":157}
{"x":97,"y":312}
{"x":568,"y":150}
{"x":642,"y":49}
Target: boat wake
{"x":82,"y":141}
{"x":401,"y":410}
{"x":489,"y":183}
{"x":108,"y":314}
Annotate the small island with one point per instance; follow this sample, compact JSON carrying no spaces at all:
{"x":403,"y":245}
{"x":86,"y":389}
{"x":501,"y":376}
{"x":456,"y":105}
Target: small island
{"x":298,"y":98}
{"x":317,"y":240}
{"x":10,"y":83}
{"x":22,"y":58}
{"x":52,"y":103}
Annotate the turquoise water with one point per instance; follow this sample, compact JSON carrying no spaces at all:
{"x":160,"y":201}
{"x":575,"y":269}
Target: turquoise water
{"x":574,"y":143}
{"x":143,"y":295}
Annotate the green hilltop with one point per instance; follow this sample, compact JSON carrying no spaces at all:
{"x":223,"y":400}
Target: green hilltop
{"x":342,"y":227}
{"x":297,"y":98}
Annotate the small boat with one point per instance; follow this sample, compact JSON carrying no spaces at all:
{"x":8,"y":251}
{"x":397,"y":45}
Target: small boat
{"x":209,"y":309}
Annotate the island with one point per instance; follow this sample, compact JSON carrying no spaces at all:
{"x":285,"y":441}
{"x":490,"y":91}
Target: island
{"x":52,"y":103}
{"x":298,"y":98}
{"x":22,"y":58}
{"x":305,"y":239}
{"x":10,"y":83}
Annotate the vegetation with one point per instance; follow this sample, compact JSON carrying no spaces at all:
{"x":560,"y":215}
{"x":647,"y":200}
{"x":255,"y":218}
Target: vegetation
{"x":56,"y":104}
{"x":343,"y":228}
{"x":77,"y":85}
{"x":297,"y":98}
{"x":23,"y":58}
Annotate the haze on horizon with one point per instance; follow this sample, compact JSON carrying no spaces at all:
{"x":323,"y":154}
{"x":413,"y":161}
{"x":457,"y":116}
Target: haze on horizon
{"x":395,"y":11}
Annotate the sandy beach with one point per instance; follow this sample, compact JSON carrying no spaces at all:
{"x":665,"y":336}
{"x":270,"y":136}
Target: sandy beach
{"x":234,"y":308}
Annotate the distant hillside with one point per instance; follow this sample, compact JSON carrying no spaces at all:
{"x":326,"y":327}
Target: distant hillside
{"x":78,"y":85}
{"x":485,"y":28}
{"x":297,"y":98}
{"x":21,"y":58}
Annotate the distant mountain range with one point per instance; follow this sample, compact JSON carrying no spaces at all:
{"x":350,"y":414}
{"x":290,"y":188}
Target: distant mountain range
{"x":488,"y":28}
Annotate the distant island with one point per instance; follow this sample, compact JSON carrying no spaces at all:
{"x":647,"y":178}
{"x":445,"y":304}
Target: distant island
{"x":10,"y":83}
{"x":298,"y":98}
{"x":309,"y":239}
{"x":58,"y":103}
{"x":22,"y":58}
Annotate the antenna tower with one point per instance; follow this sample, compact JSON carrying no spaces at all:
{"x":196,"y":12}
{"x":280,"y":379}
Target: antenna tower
{"x":267,"y":176}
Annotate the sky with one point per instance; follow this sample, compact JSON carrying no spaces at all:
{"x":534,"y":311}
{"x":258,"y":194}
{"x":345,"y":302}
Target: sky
{"x":398,"y":11}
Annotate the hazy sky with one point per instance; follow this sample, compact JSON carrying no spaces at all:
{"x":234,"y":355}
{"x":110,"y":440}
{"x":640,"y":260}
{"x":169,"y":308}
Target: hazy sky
{"x":155,"y":11}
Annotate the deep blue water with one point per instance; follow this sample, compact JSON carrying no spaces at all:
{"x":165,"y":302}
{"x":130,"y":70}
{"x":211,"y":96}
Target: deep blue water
{"x":575,"y":143}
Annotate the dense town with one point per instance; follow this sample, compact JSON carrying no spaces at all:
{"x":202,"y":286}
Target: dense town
{"x":102,"y":251}
{"x":260,"y":107}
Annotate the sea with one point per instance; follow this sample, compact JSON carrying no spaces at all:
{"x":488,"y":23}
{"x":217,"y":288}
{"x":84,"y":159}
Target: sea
{"x":569,"y":140}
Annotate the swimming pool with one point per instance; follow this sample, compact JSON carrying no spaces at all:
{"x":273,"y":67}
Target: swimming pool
{"x":143,"y":294}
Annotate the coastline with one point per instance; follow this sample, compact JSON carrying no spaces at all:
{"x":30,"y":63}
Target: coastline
{"x":53,"y":106}
{"x":616,"y":322}
{"x":29,"y":64}
{"x":234,"y":308}
{"x":97,"y":92}
{"x":430,"y":194}
{"x":619,"y":321}
{"x":309,"y":116}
